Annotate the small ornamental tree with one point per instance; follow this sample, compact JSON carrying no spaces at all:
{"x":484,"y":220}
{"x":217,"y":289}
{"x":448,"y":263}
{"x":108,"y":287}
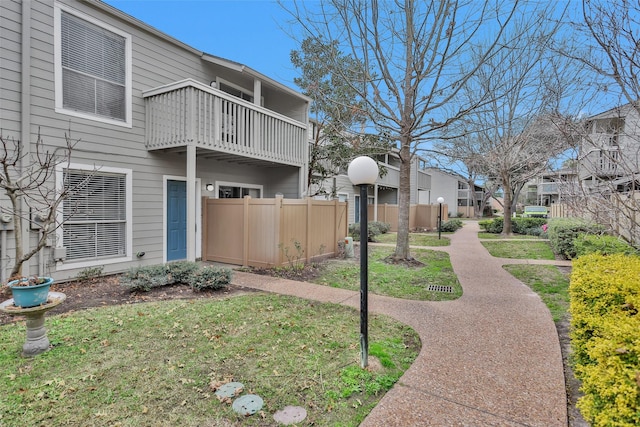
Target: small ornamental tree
{"x":27,"y":180}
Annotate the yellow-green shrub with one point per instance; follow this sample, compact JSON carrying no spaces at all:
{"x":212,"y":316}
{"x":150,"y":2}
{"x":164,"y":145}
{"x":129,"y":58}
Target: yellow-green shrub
{"x":605,"y":298}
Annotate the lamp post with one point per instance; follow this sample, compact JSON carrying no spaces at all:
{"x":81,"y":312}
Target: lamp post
{"x":363,"y":171}
{"x":440,"y":201}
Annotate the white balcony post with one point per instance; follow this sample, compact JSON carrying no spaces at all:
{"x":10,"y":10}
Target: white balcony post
{"x":191,"y":201}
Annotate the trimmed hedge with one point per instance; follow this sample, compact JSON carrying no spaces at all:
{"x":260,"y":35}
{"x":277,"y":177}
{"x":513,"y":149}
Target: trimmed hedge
{"x":563,"y":232}
{"x":605,"y":298}
{"x":451,"y":225}
{"x":586,"y":244}
{"x":527,"y":226}
{"x":143,"y":279}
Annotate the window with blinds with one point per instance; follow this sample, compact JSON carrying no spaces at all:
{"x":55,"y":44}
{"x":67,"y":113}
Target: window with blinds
{"x":93,"y":67}
{"x":95,"y":215}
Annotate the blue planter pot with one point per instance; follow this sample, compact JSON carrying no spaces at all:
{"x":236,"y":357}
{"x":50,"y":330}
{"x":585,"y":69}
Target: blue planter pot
{"x":30,"y":296}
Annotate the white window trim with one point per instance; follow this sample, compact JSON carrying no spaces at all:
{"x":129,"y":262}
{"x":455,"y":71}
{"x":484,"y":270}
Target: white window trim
{"x":68,"y":265}
{"x":57,"y":16}
{"x":237,"y":184}
{"x":166,"y":178}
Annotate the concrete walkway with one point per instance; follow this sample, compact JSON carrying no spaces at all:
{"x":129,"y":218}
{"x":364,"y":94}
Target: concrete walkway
{"x":490,"y":358}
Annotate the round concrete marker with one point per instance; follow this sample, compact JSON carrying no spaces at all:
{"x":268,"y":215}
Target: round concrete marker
{"x":229,"y":389}
{"x":290,"y":415}
{"x":247,"y":405}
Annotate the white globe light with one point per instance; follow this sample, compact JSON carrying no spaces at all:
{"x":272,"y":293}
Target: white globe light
{"x":440,"y":200}
{"x":363,"y":170}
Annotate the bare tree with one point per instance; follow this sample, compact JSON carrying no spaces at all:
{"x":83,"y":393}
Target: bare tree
{"x":27,"y":179}
{"x":513,"y":137}
{"x":608,"y":44}
{"x":415,"y":56}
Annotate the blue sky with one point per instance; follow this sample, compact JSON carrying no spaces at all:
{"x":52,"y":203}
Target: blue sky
{"x":247,"y":31}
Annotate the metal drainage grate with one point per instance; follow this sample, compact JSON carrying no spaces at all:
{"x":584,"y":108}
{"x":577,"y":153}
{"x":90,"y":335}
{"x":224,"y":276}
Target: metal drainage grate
{"x":439,"y":288}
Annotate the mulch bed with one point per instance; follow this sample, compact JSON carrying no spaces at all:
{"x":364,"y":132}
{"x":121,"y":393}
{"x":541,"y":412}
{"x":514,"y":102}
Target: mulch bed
{"x":107,"y":291}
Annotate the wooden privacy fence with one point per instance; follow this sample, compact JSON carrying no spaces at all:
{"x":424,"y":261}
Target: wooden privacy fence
{"x":420,"y":216}
{"x":271,"y":232}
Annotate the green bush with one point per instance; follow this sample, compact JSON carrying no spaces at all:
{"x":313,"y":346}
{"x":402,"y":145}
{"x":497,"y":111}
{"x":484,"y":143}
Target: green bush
{"x":180,"y":271}
{"x":211,"y":278}
{"x":451,"y":225}
{"x":374,"y":228}
{"x":586,"y":244}
{"x":563,"y":232}
{"x":604,"y":301}
{"x":142,"y":279}
{"x":492,"y":225}
{"x":526,"y":225}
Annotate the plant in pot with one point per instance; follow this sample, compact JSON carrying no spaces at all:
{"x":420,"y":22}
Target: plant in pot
{"x":30,"y":291}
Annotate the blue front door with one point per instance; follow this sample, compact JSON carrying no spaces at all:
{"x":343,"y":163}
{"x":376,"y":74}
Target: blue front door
{"x":176,"y":220}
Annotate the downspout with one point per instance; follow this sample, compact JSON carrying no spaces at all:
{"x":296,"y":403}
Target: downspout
{"x":25,"y":115}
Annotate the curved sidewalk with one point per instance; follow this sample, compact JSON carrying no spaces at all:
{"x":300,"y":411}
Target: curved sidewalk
{"x":490,"y":358}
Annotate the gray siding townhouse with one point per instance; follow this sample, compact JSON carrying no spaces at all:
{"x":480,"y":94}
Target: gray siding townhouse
{"x":385,"y":189}
{"x":455,"y":191}
{"x":610,"y":150}
{"x":159,"y":124}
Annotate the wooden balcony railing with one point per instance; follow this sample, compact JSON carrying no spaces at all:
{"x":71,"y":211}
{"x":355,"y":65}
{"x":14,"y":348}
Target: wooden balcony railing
{"x":188,"y":112}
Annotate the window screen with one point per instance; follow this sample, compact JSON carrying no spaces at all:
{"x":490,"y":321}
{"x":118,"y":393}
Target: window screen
{"x":94,"y":73}
{"x":95,"y":215}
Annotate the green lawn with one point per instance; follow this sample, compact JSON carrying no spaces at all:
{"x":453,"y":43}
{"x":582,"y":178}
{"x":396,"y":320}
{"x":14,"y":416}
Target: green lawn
{"x":416,"y":239}
{"x":153,"y":364}
{"x":396,"y":280}
{"x":547,"y":281}
{"x":519,"y":249}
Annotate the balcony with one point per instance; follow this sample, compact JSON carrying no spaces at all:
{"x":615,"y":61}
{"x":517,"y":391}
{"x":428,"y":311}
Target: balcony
{"x":391,"y":179}
{"x":548,"y":188}
{"x":226,"y":127}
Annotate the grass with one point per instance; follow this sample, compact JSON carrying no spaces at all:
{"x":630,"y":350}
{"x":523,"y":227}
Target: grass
{"x":520,"y":249}
{"x":398,"y":281}
{"x":416,"y":239}
{"x":547,"y":281}
{"x":152,"y":364}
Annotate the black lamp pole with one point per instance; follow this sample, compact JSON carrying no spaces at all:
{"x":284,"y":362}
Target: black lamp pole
{"x":363,"y":171}
{"x":364,"y":279}
{"x":439,"y":220}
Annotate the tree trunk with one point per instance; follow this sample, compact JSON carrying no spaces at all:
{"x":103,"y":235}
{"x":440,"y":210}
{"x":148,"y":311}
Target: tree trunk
{"x":506,"y":228}
{"x":404,"y":201}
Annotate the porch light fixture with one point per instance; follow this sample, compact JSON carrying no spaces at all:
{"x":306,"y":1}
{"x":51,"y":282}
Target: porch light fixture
{"x":363,"y":171}
{"x":440,"y":201}
{"x":209,"y":187}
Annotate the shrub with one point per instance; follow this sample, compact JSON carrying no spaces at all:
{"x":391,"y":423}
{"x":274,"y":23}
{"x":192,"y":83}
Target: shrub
{"x":586,"y":244}
{"x":523,"y":225}
{"x":451,"y":225}
{"x":142,"y":279}
{"x":211,"y":278}
{"x":563,"y":232}
{"x":180,"y":271}
{"x":90,"y":273}
{"x":374,"y":228}
{"x":492,"y":225}
{"x":605,"y":296}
